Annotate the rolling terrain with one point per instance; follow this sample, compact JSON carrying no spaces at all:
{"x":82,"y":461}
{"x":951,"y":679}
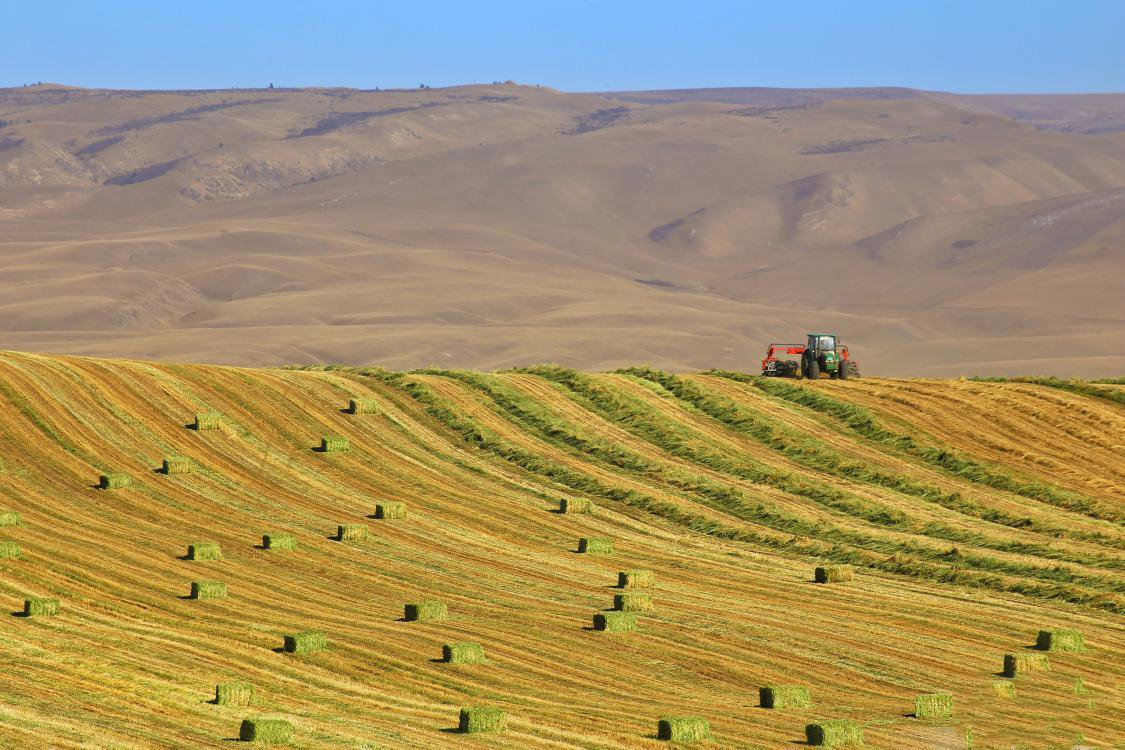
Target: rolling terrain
{"x":975,"y":514}
{"x":499,"y":225}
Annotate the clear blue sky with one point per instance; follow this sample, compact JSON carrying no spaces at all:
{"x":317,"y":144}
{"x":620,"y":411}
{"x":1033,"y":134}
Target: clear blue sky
{"x":580,"y":45}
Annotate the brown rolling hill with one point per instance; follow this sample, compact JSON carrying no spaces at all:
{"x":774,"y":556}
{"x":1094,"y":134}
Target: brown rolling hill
{"x":975,"y":514}
{"x":494,"y":226}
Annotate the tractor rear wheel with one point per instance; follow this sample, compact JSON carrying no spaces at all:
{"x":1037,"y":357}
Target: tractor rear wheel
{"x":842,"y":370}
{"x":814,"y":370}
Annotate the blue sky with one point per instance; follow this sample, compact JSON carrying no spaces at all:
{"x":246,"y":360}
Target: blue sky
{"x":581,"y":45}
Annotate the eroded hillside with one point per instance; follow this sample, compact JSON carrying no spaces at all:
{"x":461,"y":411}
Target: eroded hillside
{"x":975,"y":515}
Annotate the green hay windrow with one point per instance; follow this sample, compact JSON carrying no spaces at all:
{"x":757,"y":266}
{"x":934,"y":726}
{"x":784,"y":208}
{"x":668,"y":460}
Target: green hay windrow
{"x":305,"y":643}
{"x":10,"y":518}
{"x":595,"y":545}
{"x":276,"y":540}
{"x":632,"y":601}
{"x":635,"y":579}
{"x":363,"y":406}
{"x":1003,"y":688}
{"x":615,"y":622}
{"x":1015,"y":664}
{"x":576,"y":505}
{"x":115,"y":480}
{"x":1079,"y":686}
{"x":784,"y":696}
{"x":425,"y":611}
{"x":390,"y":511}
{"x":465,"y":652}
{"x":683,"y":729}
{"x":177,"y":465}
{"x":234,"y":694}
{"x":482,"y":719}
{"x":834,"y":733}
{"x":334,"y":444}
{"x":9,"y":550}
{"x":204,"y":551}
{"x":211,"y":420}
{"x":40,"y":607}
{"x":1060,"y":640}
{"x":933,"y":706}
{"x":351,"y":532}
{"x":834,"y":574}
{"x":208,"y":590}
{"x":266,"y":731}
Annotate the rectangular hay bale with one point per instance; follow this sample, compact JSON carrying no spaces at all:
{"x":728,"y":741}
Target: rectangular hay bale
{"x":425,"y":611}
{"x":465,"y":652}
{"x":305,"y":643}
{"x":9,"y":550}
{"x":476,"y":719}
{"x":351,"y":532}
{"x":363,"y":406}
{"x":595,"y":545}
{"x":1014,"y":664}
{"x":635,"y":579}
{"x":234,"y":693}
{"x":933,"y":706}
{"x":275,"y":540}
{"x":1060,"y":640}
{"x":40,"y":607}
{"x":834,"y":733}
{"x":784,"y":696}
{"x":683,"y":728}
{"x":204,"y":551}
{"x":1003,"y":688}
{"x":266,"y":731}
{"x":632,"y":601}
{"x":615,"y":622}
{"x":208,"y":590}
{"x":834,"y":574}
{"x":210,"y":420}
{"x":114,"y":480}
{"x":390,"y":511}
{"x":334,"y":444}
{"x":10,"y":518}
{"x":176,"y":465}
{"x":576,"y":505}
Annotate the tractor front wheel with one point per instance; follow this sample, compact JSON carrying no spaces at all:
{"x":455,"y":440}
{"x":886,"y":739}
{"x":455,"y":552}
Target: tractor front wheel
{"x":842,"y":370}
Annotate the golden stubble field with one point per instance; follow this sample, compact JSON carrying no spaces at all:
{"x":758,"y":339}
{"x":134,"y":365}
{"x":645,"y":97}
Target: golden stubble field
{"x":710,"y":481}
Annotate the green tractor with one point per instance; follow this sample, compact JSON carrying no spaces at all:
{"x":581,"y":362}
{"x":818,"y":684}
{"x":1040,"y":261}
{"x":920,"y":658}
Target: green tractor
{"x":825,"y":354}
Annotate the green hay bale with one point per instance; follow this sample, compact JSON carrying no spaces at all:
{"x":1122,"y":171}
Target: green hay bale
{"x":425,"y":611}
{"x":632,"y":601}
{"x":482,"y":719}
{"x":334,"y":444}
{"x":595,"y":545}
{"x":834,"y":732}
{"x":784,"y":696}
{"x":351,"y":532}
{"x":615,"y":622}
{"x":390,"y":511}
{"x":115,"y":481}
{"x":576,"y":505}
{"x":363,"y":406}
{"x":1014,"y":664}
{"x":834,"y":574}
{"x":683,"y":729}
{"x":211,"y":420}
{"x":204,"y":551}
{"x":1003,"y":688}
{"x":177,"y":465}
{"x":9,"y":550}
{"x":208,"y":590}
{"x":933,"y":706}
{"x":10,"y":518}
{"x":266,"y":731}
{"x":305,"y":643}
{"x":635,"y":579}
{"x":234,"y":694}
{"x":40,"y":607}
{"x":279,"y":541}
{"x":1060,"y":640}
{"x":465,"y":652}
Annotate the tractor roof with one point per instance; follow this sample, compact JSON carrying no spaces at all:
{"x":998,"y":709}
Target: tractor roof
{"x":821,"y":334}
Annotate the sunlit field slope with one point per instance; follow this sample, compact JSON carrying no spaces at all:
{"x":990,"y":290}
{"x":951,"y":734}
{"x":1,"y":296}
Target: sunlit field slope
{"x":974,"y":514}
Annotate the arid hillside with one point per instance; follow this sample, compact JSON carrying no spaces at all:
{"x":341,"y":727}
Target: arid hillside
{"x":496,"y":226}
{"x":974,"y":514}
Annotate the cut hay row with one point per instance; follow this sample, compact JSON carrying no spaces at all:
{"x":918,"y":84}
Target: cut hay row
{"x":9,"y":550}
{"x":784,"y":696}
{"x":834,"y":574}
{"x":334,"y":444}
{"x":576,"y":506}
{"x":474,"y":719}
{"x":305,"y":642}
{"x":595,"y":545}
{"x":208,"y":590}
{"x":425,"y":611}
{"x":683,"y":729}
{"x":177,"y":465}
{"x":204,"y":551}
{"x":1016,"y":664}
{"x":635,"y":579}
{"x":266,"y":731}
{"x":363,"y":406}
{"x":10,"y":518}
{"x":465,"y":652}
{"x":834,"y":733}
{"x":351,"y":532}
{"x":615,"y":622}
{"x":632,"y":601}
{"x":208,"y":421}
{"x":933,"y":706}
{"x":40,"y":607}
{"x":115,"y":480}
{"x":390,"y":511}
{"x":278,"y":541}
{"x":234,"y":694}
{"x":1060,"y":640}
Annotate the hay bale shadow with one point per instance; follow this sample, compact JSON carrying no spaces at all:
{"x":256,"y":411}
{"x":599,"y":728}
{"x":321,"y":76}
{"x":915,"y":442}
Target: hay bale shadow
{"x":19,"y":613}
